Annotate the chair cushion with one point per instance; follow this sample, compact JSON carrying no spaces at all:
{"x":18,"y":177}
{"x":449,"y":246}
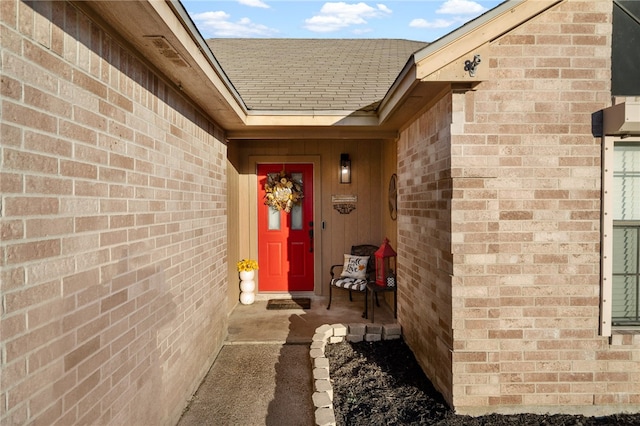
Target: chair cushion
{"x":355,"y":284}
{"x":354,"y":266}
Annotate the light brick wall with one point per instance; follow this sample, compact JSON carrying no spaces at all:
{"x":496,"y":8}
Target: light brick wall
{"x":424,"y":242}
{"x":113,"y":247}
{"x":525,"y":229}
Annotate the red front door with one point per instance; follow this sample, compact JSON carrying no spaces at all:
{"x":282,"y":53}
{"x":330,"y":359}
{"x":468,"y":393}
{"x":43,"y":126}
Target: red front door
{"x":285,"y":239}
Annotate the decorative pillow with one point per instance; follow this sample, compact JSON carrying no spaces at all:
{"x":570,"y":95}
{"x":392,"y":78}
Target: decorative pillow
{"x":355,"y":266}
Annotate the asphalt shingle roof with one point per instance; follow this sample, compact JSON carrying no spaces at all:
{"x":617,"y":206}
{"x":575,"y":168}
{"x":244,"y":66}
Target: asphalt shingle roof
{"x":312,"y":74}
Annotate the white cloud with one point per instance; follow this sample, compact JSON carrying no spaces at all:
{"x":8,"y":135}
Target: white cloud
{"x":384,"y":8}
{"x":336,"y":16}
{"x":438,"y":23}
{"x":360,"y":31}
{"x":219,"y":24}
{"x":460,"y":7}
{"x":254,"y":3}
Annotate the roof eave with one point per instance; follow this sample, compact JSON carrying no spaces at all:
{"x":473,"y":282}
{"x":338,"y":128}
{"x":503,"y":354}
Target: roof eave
{"x":166,"y":40}
{"x":443,"y":62}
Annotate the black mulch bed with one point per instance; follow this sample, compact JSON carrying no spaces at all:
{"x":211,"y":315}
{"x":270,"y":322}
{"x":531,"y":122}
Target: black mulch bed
{"x":380,"y":383}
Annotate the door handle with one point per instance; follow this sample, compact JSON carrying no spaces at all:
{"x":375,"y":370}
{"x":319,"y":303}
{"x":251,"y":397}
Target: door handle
{"x":311,"y":237}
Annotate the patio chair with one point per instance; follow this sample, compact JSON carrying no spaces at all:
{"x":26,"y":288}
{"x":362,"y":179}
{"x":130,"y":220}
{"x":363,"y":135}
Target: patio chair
{"x":355,"y":272}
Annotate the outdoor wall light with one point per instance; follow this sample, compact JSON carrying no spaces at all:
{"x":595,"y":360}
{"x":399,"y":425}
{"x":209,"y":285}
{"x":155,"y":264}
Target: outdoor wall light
{"x":345,"y":168}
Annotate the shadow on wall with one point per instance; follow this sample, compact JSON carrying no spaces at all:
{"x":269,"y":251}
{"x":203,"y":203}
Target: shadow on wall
{"x":137,"y":309}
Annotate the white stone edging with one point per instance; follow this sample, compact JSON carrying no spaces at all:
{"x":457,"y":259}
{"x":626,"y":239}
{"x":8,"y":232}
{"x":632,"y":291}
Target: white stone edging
{"x":336,"y":333}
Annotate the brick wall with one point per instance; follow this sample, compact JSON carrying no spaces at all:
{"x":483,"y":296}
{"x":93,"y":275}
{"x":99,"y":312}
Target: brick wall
{"x":525,"y":229}
{"x":113,"y":229}
{"x":424,"y":242}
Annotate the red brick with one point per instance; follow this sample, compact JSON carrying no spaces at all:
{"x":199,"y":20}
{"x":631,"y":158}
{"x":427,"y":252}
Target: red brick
{"x":26,"y":161}
{"x":8,"y":13}
{"x":80,"y":281}
{"x":77,"y":132}
{"x":91,"y":223}
{"x":12,"y":325}
{"x":90,"y":84}
{"x":10,"y":135}
{"x":91,"y":189}
{"x":45,"y":101}
{"x":28,"y":117}
{"x":10,"y":87}
{"x":121,"y":221}
{"x":113,"y":301}
{"x":25,"y":252}
{"x":78,"y":169}
{"x":120,"y":161}
{"x":517,"y":39}
{"x":30,"y":341}
{"x":11,"y":230}
{"x":47,"y":185}
{"x":47,"y":144}
{"x":81,"y":353}
{"x":81,"y":389}
{"x":28,"y":206}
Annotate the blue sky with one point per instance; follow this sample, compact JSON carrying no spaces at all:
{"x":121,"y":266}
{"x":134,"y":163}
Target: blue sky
{"x":423,"y":20}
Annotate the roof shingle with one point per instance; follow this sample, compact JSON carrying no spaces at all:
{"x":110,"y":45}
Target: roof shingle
{"x":312,"y":74}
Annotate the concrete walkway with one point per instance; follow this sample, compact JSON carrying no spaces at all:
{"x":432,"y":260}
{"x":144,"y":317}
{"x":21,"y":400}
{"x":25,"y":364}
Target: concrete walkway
{"x":262,"y":375}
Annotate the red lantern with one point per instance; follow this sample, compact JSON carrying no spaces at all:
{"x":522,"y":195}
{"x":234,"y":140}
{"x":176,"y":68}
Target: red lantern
{"x":386,"y":264}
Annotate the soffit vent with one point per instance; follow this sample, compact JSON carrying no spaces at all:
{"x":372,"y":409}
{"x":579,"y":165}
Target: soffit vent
{"x":166,"y":50}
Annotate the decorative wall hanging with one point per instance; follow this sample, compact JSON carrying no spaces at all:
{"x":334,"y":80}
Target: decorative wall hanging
{"x":393,"y":196}
{"x":282,"y":191}
{"x":344,"y":208}
{"x":471,"y":66}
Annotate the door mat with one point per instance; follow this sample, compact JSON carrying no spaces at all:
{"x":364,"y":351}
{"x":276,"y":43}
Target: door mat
{"x":297,"y":303}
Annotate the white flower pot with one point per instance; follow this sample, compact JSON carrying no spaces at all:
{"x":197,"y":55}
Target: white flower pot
{"x":247,"y":287}
{"x":247,"y":275}
{"x":247,"y":298}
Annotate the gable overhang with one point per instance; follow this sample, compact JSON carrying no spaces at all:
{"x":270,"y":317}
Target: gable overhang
{"x":442,"y":65}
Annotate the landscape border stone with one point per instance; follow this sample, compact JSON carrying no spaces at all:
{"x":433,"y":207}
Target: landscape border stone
{"x":337,"y":333}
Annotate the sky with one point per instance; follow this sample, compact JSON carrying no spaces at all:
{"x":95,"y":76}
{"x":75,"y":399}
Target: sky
{"x":421,"y":20}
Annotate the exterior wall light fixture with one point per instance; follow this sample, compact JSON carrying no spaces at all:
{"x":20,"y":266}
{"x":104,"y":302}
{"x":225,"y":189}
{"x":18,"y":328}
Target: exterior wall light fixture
{"x":345,"y":168}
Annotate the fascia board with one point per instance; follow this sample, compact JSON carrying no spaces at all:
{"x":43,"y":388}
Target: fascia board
{"x":406,"y":80}
{"x":306,"y":133}
{"x":317,"y":118}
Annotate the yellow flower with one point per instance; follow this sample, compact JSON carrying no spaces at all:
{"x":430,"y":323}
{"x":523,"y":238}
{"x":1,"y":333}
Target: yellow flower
{"x":247,"y":265}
